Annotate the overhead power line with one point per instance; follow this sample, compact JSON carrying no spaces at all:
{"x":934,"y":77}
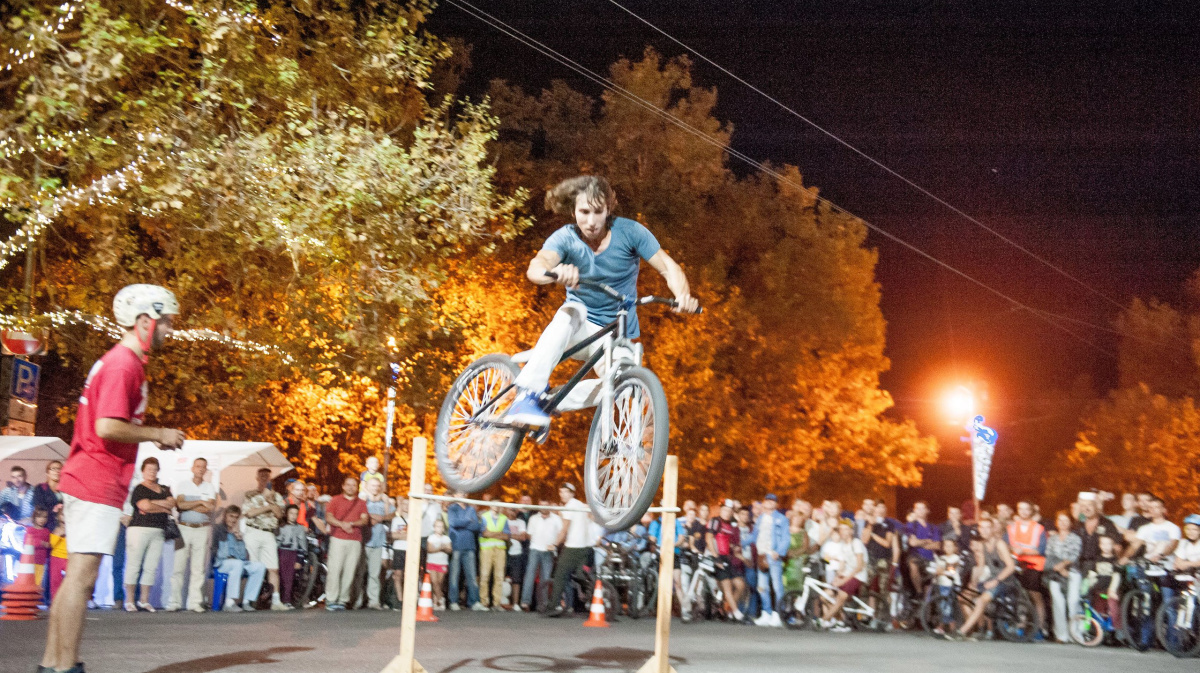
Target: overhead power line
{"x":873,"y":160}
{"x":547,"y":51}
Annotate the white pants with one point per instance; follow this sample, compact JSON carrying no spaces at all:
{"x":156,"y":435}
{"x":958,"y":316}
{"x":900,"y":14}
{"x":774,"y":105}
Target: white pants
{"x":194,"y":553}
{"x":143,"y":550}
{"x":569,"y":327}
{"x":1065,"y":604}
{"x":262,"y":547}
{"x":343,"y":562}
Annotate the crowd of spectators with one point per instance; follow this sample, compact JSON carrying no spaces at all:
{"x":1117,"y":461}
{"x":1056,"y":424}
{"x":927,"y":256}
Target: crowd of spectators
{"x":495,"y":558}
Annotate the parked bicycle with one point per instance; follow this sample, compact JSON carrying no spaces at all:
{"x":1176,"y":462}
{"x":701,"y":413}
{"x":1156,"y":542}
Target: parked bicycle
{"x":627,"y":443}
{"x":1178,"y":620}
{"x":703,"y":597}
{"x":1140,"y":604}
{"x":309,"y":584}
{"x":623,"y":582}
{"x":805,"y":609}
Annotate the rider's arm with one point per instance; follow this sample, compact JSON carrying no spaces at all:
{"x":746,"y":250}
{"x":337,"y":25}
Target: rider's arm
{"x":1134,"y":546}
{"x":545,"y":261}
{"x":676,"y":280}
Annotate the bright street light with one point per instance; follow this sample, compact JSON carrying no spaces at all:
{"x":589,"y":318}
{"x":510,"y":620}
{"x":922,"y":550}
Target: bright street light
{"x":959,"y":404}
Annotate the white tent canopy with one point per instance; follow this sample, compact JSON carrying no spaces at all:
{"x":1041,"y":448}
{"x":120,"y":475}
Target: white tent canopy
{"x":31,"y":453}
{"x":231,"y":465}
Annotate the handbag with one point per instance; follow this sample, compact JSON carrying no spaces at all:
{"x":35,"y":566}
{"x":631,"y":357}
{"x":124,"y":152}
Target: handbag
{"x":171,"y":532}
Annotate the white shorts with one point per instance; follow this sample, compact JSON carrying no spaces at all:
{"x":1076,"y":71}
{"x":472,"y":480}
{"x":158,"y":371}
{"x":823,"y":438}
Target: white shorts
{"x":92,"y":528}
{"x":262,"y":547}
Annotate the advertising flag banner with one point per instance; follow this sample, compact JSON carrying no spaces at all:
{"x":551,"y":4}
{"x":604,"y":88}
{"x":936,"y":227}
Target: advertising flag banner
{"x":983,"y":445}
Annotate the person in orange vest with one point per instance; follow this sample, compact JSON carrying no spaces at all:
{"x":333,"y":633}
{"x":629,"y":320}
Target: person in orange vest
{"x":1027,"y":538}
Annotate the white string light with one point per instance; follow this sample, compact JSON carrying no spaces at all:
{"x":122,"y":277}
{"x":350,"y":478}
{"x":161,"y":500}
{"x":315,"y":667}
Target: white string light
{"x":68,"y":10}
{"x":107,"y":326}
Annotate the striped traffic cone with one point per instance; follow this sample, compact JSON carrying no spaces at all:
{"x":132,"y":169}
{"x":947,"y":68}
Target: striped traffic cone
{"x":21,"y":598}
{"x":425,"y":602}
{"x":596,"y":616}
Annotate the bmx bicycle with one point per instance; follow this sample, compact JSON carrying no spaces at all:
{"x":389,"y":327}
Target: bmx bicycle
{"x":627,"y":443}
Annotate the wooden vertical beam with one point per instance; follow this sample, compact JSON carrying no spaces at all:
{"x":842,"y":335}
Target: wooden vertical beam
{"x":404,"y":662}
{"x":661,"y":661}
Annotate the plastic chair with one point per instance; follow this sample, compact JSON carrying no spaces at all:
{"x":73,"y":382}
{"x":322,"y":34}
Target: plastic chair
{"x":218,"y":591}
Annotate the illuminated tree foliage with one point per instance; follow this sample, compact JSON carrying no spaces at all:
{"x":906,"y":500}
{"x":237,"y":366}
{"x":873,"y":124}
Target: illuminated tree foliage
{"x":776,"y":385}
{"x":1145,"y":435}
{"x":287,"y":169}
{"x":292,"y":172}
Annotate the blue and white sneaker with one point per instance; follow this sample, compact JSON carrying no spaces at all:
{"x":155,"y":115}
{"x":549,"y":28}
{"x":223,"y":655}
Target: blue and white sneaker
{"x":527,"y":411}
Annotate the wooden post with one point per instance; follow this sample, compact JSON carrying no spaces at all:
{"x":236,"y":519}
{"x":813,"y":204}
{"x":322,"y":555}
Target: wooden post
{"x":661,"y":661}
{"x":404,"y":662}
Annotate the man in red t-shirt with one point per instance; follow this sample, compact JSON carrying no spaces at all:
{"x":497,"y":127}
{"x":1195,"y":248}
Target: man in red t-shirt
{"x":346,"y":515}
{"x":95,"y":479}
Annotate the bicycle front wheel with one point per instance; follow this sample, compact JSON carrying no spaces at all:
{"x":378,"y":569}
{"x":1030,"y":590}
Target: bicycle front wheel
{"x":1137,"y":619}
{"x":472,"y":452}
{"x":1178,"y":623}
{"x":1086,"y":630}
{"x":627,"y":449}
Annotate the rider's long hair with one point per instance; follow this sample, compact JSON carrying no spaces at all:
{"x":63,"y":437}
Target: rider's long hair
{"x":560,"y":199}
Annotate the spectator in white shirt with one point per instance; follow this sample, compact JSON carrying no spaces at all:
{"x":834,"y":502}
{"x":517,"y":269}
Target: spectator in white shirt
{"x":543,"y":530}
{"x":399,"y":547}
{"x":576,"y":536}
{"x":196,"y":501}
{"x":431,"y":513}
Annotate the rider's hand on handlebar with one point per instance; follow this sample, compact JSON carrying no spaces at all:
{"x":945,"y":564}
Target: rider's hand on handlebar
{"x":686,"y":304}
{"x":568,"y":275}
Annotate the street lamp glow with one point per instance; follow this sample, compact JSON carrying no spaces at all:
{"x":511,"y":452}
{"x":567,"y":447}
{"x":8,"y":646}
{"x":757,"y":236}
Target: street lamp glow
{"x":959,"y":404}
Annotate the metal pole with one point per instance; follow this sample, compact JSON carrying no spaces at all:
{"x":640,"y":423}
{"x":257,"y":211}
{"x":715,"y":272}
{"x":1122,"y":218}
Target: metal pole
{"x":387,"y":434}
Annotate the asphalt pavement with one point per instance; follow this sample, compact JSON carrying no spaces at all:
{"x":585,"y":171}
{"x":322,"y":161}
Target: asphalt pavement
{"x":315,"y":641}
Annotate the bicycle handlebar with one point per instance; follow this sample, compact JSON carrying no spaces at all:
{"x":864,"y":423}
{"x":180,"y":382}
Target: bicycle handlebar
{"x":606,"y":289}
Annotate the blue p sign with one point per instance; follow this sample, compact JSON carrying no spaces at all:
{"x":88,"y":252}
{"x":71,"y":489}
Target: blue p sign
{"x":25,"y":380}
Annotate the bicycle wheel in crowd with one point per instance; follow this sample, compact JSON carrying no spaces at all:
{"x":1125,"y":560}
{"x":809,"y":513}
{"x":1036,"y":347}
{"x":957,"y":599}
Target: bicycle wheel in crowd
{"x":814,"y":609}
{"x":627,"y":450}
{"x":636,"y":599}
{"x":1016,"y":619}
{"x":472,"y":453}
{"x":612,"y":599}
{"x":904,"y":610}
{"x":1180,"y":635}
{"x":1137,"y":617}
{"x":650,"y":593}
{"x":1086,"y":630}
{"x":792,"y":612}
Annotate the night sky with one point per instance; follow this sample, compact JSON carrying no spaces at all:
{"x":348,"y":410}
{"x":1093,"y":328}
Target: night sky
{"x":1069,"y":127}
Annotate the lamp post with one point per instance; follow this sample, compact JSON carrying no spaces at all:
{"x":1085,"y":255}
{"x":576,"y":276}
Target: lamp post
{"x":391,"y":416}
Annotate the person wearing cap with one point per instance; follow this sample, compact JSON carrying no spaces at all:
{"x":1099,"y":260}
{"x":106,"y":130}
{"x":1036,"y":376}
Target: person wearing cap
{"x":1093,"y":526}
{"x":95,"y":479}
{"x":575,"y":539}
{"x":773,"y":540}
{"x":723,"y":538}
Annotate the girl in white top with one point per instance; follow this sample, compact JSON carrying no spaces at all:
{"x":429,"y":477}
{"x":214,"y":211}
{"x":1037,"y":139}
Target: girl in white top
{"x":1187,"y":554}
{"x":438,"y":548}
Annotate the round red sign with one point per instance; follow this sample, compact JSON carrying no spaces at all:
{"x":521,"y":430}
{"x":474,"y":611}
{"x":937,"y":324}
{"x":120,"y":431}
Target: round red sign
{"x":20,"y":343}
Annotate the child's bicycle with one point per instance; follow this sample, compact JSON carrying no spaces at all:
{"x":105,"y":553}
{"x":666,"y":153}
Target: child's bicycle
{"x":1088,"y":627}
{"x":627,"y":444}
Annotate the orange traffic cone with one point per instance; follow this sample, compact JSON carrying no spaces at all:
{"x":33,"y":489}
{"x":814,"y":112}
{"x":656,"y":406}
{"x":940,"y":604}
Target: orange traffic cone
{"x":21,"y":598}
{"x":596,"y":617}
{"x":425,"y":602}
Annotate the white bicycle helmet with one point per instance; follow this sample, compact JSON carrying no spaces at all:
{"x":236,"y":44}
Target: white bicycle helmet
{"x":152,"y":300}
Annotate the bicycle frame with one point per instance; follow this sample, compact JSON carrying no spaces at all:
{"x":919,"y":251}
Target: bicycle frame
{"x":826,"y":591}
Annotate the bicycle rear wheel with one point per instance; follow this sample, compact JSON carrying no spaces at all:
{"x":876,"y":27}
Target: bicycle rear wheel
{"x":791,"y":612}
{"x":627,"y":450}
{"x":1016,"y":619}
{"x":472,"y":453}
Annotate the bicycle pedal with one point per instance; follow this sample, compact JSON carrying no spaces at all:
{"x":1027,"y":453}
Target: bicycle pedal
{"x":541,"y":435}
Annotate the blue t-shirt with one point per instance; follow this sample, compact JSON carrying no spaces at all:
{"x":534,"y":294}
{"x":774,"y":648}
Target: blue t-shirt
{"x":617,"y":266}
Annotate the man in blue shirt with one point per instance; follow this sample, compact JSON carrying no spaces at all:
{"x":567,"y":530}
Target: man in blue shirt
{"x":599,"y":247}
{"x":464,"y":529}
